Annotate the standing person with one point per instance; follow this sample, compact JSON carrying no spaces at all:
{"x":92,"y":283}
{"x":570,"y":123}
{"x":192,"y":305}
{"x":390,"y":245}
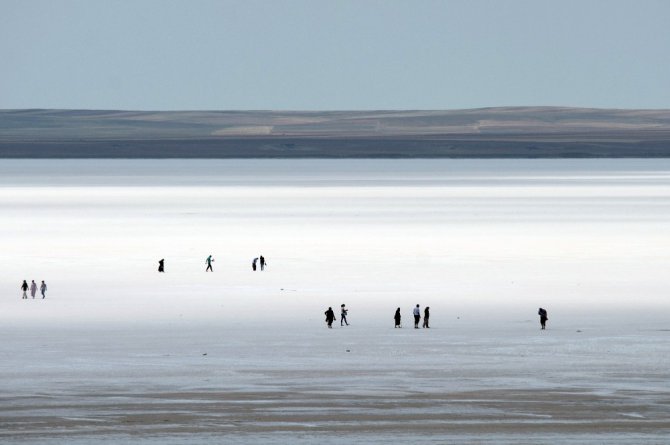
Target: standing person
{"x":417,"y":316}
{"x":253,"y":264}
{"x":396,"y":317}
{"x":161,"y":265}
{"x":330,"y":317}
{"x":263,"y":263}
{"x":426,"y":316}
{"x":543,"y":317}
{"x":24,"y":288}
{"x":33,"y":289}
{"x":209,"y":264}
{"x":43,"y":289}
{"x":343,"y":315}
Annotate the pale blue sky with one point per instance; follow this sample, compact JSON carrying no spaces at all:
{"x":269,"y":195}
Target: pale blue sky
{"x":309,"y":55}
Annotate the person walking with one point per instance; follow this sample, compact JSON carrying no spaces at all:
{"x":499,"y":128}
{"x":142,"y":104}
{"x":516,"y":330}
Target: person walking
{"x":209,"y":261}
{"x":330,"y":317}
{"x":263,"y":263}
{"x":253,"y":264}
{"x":426,"y":316}
{"x":161,"y":265}
{"x":396,"y":317}
{"x":543,"y":317}
{"x":343,"y":315}
{"x":24,"y":288}
{"x":43,"y":289}
{"x":33,"y":289}
{"x":417,"y":316}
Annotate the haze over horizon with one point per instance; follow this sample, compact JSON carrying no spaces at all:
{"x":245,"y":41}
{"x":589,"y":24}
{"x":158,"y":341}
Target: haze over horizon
{"x":345,"y":55}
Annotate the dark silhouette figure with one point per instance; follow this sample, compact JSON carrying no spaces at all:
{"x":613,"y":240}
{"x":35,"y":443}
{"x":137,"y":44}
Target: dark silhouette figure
{"x":263,"y":263}
{"x":253,"y":264}
{"x":397,"y":317}
{"x":161,"y":265}
{"x":330,"y":317}
{"x":426,"y":316}
{"x":43,"y":289}
{"x":24,"y":288}
{"x":543,"y":317}
{"x":343,"y":315}
{"x":209,"y":264}
{"x":417,"y":316}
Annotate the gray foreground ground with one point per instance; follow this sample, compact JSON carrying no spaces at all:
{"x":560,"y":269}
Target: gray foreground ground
{"x":306,"y":384}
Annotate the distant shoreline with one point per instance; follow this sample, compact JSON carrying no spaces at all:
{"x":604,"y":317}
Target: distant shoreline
{"x":495,"y":133}
{"x":272,"y":148}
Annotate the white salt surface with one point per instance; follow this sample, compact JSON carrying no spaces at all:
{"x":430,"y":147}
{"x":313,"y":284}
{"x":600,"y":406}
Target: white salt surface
{"x":119,"y":353}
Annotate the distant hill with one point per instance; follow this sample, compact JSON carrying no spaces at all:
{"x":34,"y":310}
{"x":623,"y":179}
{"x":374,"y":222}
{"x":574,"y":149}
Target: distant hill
{"x":513,"y":132}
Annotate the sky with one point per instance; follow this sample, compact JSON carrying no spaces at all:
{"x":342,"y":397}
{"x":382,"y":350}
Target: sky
{"x":333,"y":55}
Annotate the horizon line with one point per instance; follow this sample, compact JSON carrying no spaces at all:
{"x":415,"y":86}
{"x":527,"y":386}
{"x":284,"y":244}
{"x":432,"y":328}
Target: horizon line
{"x":334,"y":110}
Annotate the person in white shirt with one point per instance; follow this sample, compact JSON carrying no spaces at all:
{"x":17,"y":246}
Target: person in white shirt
{"x":417,"y":316}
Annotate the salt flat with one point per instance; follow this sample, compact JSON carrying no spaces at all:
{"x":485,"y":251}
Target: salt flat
{"x":118,"y":353}
{"x":281,"y":382}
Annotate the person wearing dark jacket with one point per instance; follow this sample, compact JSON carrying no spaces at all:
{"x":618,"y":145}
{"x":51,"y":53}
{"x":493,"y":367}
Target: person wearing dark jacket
{"x":24,"y":288}
{"x":343,"y":315}
{"x":161,"y":265}
{"x":426,"y":315}
{"x":396,"y":317}
{"x":263,"y":262}
{"x":330,"y":317}
{"x":543,"y":317}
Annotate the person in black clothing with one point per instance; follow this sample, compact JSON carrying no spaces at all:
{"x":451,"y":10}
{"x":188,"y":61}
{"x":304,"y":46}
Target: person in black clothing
{"x":24,"y":288}
{"x":330,"y":317}
{"x":396,"y":317}
{"x":263,"y":263}
{"x":161,"y":265}
{"x":426,"y":315}
{"x":543,"y":317}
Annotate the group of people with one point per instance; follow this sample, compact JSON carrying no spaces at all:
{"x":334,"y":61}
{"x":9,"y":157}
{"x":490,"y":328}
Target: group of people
{"x":330,"y":316}
{"x":262,"y":263}
{"x":417,"y":317}
{"x":33,"y":289}
{"x":209,"y":260}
